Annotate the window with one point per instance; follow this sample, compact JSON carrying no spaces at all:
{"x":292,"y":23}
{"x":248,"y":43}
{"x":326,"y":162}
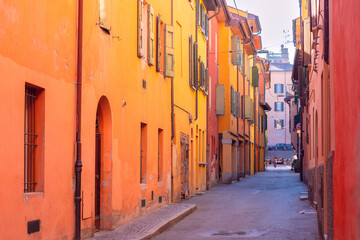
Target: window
{"x":279,"y":88}
{"x":160,"y":155}
{"x":33,"y":139}
{"x":279,"y":106}
{"x":143,"y":152}
{"x":279,"y":124}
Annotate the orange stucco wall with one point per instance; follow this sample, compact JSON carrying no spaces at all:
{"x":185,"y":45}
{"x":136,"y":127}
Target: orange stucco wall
{"x":37,"y":47}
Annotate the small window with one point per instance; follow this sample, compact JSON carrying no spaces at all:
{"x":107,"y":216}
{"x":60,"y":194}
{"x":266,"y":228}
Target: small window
{"x":143,"y":152}
{"x":279,"y":106}
{"x":160,"y":154}
{"x":34,"y":139}
{"x":279,"y":124}
{"x":279,"y":88}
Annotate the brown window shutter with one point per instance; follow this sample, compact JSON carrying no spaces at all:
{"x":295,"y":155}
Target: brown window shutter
{"x":169,"y":51}
{"x":206,"y":25}
{"x":201,"y":74}
{"x":150,"y":35}
{"x":196,"y":66}
{"x":140,"y":50}
{"x":206,"y":80}
{"x":191,"y":82}
{"x":158,"y":44}
{"x":198,"y":12}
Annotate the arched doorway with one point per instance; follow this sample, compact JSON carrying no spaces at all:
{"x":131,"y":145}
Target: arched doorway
{"x":103,"y":165}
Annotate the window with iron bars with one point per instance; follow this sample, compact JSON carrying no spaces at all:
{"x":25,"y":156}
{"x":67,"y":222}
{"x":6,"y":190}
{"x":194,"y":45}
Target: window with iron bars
{"x":33,"y":135}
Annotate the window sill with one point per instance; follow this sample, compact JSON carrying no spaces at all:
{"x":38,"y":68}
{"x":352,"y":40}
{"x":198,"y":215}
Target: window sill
{"x":33,"y":195}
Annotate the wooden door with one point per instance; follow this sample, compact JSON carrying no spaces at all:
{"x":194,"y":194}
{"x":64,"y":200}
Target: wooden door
{"x":184,"y":145}
{"x":97,"y":177}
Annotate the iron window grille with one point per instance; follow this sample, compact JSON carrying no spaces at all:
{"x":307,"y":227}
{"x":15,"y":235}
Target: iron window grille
{"x":30,"y":139}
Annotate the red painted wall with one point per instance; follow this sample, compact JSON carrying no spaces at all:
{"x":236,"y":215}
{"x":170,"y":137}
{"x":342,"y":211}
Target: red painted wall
{"x":213,"y":136}
{"x":346,"y":81}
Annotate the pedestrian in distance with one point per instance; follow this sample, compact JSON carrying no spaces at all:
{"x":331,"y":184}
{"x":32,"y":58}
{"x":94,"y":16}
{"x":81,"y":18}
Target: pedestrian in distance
{"x":275,"y":162}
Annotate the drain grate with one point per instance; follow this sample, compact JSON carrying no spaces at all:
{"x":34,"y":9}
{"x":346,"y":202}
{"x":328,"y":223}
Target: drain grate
{"x":228,"y":234}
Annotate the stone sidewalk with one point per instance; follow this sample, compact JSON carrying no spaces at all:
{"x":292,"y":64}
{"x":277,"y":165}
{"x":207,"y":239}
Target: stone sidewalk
{"x":149,"y":225}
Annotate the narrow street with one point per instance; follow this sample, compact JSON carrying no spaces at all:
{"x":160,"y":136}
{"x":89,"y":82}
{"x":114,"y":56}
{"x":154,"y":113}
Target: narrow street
{"x":263,"y":206}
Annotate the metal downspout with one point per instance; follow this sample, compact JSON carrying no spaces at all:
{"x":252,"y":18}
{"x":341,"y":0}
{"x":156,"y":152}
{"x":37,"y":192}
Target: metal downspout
{"x":78,"y":84}
{"x":196,"y":60}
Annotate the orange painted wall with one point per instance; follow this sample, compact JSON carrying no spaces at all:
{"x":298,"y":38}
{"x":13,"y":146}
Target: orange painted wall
{"x":112,"y":70}
{"x":38,"y":47}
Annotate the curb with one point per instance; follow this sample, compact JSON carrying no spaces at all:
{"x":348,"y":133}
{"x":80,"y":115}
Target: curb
{"x":159,"y":229}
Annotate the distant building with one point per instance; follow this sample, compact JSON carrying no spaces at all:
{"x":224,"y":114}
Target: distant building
{"x":281,"y":87}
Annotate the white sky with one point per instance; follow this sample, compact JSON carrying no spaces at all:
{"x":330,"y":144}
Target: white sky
{"x":275,"y":16}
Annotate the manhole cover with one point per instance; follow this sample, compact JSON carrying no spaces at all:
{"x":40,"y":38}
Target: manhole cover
{"x":228,"y":234}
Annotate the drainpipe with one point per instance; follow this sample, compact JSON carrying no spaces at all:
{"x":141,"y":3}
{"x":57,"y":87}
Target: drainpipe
{"x":243,"y":103}
{"x":218,"y":10}
{"x":172,"y":119}
{"x":301,"y":151}
{"x":196,"y":60}
{"x":78,"y":163}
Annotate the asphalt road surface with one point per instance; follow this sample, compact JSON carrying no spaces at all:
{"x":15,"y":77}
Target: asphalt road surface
{"x":262,"y":206}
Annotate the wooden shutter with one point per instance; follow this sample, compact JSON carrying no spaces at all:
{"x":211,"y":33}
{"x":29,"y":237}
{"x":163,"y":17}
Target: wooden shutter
{"x":255,"y":76}
{"x":326,"y":31}
{"x":198,"y":12}
{"x":150,"y":35}
{"x":206,"y":80}
{"x":201,"y":75}
{"x":232,"y":100}
{"x":105,"y":12}
{"x":235,"y":50}
{"x":158,"y":43}
{"x":206,"y":25}
{"x":196,"y":68}
{"x":220,"y":99}
{"x":236,"y":104}
{"x":191,"y":65}
{"x":140,"y":50}
{"x":169,"y":51}
{"x":238,"y":51}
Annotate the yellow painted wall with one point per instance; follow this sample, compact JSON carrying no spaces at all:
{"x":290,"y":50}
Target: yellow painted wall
{"x":185,"y":101}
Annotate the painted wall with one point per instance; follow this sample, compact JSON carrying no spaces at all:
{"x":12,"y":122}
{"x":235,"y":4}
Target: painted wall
{"x":185,"y":98}
{"x":38,"y":47}
{"x":134,"y":93}
{"x":274,"y":135}
{"x":212,"y":119}
{"x":346,"y":166}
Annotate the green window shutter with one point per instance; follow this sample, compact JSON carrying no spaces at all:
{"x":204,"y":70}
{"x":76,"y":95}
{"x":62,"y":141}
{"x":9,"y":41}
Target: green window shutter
{"x":150,"y":35}
{"x":140,"y":51}
{"x":169,"y":52}
{"x":255,"y":76}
